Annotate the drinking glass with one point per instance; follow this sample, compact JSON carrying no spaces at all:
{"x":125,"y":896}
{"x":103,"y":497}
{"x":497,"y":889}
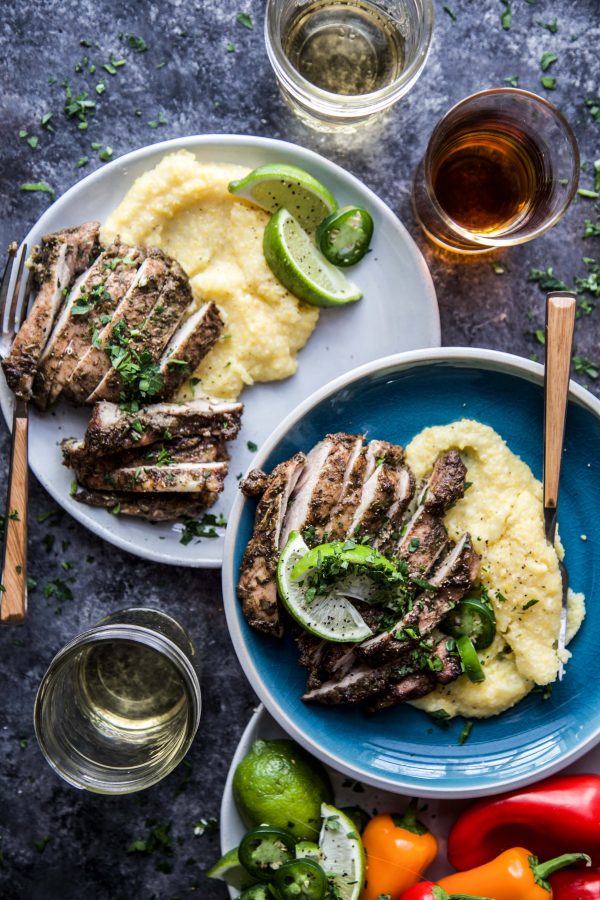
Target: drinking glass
{"x":120,"y":704}
{"x":341,"y":62}
{"x":501,"y":167}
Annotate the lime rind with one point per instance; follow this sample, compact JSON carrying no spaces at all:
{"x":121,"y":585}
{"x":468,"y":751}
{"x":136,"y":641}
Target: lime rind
{"x":332,"y":617}
{"x":343,"y":857}
{"x":275,"y":186}
{"x":230,"y":870}
{"x":301,"y":267}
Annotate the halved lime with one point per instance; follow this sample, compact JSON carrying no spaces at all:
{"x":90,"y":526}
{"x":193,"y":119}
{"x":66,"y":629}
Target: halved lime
{"x":230,"y":870}
{"x":272,"y":187}
{"x":331,"y":617}
{"x":343,"y":856}
{"x":301,"y":268}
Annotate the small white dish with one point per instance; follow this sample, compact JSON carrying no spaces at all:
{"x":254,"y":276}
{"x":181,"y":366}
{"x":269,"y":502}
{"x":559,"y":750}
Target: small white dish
{"x":438,"y":815}
{"x":398,"y":312}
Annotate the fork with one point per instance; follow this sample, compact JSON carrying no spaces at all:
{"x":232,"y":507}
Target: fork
{"x":13,"y":309}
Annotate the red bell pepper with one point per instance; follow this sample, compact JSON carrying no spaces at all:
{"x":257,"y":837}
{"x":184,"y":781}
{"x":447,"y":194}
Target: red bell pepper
{"x":554,"y":816}
{"x":576,"y":884}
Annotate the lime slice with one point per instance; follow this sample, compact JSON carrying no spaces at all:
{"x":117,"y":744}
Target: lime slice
{"x":301,"y":268}
{"x":331,"y":617}
{"x":230,"y":870}
{"x":343,"y":858}
{"x":272,"y":187}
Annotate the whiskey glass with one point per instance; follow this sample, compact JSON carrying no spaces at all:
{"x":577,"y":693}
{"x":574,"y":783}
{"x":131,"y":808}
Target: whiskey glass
{"x":501,"y":167}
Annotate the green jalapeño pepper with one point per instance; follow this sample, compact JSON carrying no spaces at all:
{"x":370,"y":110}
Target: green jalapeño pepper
{"x":265,"y":849}
{"x":469,"y":659}
{"x":301,"y":879}
{"x":474,"y":618}
{"x":345,"y":235}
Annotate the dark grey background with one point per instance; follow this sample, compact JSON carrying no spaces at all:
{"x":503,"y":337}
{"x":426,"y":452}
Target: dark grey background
{"x":56,"y":842}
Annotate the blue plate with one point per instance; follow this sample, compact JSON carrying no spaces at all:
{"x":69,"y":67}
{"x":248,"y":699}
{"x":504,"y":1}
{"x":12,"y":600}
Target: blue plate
{"x":403,"y":749}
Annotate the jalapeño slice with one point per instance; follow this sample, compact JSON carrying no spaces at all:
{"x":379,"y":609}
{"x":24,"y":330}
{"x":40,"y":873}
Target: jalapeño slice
{"x":302,"y":879}
{"x":474,"y":618}
{"x":345,"y":235}
{"x":469,"y":659}
{"x":265,"y":849}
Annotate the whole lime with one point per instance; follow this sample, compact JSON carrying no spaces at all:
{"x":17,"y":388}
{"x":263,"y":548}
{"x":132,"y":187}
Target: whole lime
{"x":277,"y":783}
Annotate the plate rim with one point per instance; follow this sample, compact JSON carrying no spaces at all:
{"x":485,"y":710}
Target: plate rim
{"x":495,"y":360}
{"x":79,"y":511}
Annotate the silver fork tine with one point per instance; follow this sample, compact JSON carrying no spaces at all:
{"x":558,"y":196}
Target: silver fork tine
{"x":12,"y":317}
{"x":26,"y":297}
{"x":4,"y":285}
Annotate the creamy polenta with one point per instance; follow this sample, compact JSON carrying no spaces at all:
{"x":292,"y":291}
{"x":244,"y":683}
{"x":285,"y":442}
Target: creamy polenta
{"x":502,"y":510}
{"x":183,"y":206}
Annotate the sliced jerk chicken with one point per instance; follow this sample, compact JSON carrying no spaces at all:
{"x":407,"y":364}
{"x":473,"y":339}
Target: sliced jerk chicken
{"x":346,"y":489}
{"x":55,"y":264}
{"x":257,"y":588}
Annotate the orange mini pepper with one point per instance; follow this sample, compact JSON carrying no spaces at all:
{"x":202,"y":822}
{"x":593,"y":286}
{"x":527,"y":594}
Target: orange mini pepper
{"x":399,"y":849}
{"x":513,"y":875}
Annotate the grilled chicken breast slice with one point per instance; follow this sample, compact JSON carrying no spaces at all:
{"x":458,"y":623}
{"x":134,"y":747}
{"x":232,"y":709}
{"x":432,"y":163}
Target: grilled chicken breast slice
{"x":188,"y":478}
{"x":257,"y":588}
{"x":111,"y":429}
{"x":153,"y":507}
{"x":418,"y":684}
{"x":189,"y":345}
{"x":454,"y":578}
{"x":61,"y":257}
{"x":446,"y":484}
{"x":134,"y":305}
{"x":319,"y":487}
{"x":98,"y":290}
{"x":174,"y":296}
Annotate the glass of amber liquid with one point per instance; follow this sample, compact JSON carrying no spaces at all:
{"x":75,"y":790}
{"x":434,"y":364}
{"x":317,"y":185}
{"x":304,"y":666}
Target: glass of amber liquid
{"x":500,"y":168}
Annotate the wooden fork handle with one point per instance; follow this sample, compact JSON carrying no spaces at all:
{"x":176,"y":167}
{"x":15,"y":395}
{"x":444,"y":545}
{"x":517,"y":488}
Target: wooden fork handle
{"x":13,"y":599}
{"x":560,"y":325}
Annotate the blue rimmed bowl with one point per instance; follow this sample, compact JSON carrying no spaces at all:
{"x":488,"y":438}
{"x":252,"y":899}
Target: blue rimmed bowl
{"x":402,"y":749}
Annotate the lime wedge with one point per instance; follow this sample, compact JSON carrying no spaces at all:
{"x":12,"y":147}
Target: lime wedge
{"x":301,"y":268}
{"x":343,"y":858}
{"x":272,"y":187}
{"x":331,"y":617}
{"x":230,"y":870}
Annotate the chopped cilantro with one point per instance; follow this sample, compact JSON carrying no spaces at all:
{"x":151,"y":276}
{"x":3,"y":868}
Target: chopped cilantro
{"x":513,"y":80}
{"x":252,"y":447}
{"x":585,"y":366}
{"x":33,"y":141}
{"x":591,"y":229}
{"x":46,"y":121}
{"x":498,"y":267}
{"x":549,"y":82}
{"x":137,"y":44}
{"x":551,"y":26}
{"x":82,"y":161}
{"x":230,"y":47}
{"x":73,"y":488}
{"x":31,"y":583}
{"x":589,"y":195}
{"x":204,"y":528}
{"x":57,"y":589}
{"x":594,"y":108}
{"x":547,"y":280}
{"x":506,"y":16}
{"x":41,"y":845}
{"x":160,"y":120}
{"x":450,"y":12}
{"x":547,"y":60}
{"x":246,"y":20}
{"x":40,"y":186}
{"x":100,"y":87}
{"x":529,"y":604}
{"x":105,"y":154}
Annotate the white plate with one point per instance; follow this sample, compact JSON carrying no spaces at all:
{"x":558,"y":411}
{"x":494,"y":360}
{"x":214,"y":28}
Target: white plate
{"x":438,"y":815}
{"x":398,"y":312}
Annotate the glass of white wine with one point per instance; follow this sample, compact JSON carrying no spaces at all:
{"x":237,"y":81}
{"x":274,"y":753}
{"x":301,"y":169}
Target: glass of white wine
{"x":120,"y":704}
{"x":339,"y":63}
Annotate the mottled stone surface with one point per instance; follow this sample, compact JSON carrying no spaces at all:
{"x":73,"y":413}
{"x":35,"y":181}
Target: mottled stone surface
{"x":55,"y":841}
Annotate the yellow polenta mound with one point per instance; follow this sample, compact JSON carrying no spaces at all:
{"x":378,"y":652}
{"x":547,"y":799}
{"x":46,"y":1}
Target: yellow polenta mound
{"x":183,"y":206}
{"x":502,"y":510}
